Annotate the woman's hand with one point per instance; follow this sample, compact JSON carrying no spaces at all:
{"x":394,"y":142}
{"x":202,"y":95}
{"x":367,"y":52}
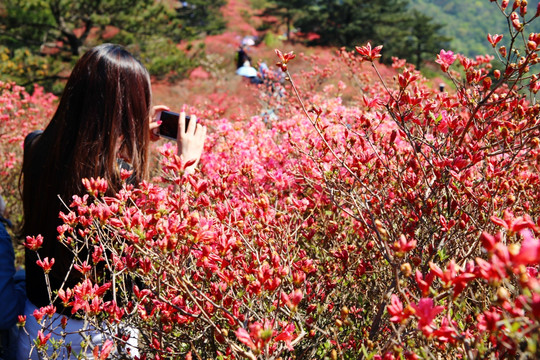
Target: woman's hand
{"x":155,"y":122}
{"x":190,"y":141}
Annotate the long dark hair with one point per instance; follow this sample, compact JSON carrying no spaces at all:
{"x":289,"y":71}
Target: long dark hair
{"x":103,"y":112}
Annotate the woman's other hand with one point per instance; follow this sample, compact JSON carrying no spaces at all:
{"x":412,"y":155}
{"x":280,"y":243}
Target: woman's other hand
{"x":190,"y":141}
{"x":155,"y":122}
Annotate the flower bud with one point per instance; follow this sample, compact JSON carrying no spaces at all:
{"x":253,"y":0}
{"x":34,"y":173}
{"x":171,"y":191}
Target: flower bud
{"x":503,"y":294}
{"x":406,"y":269}
{"x":344,"y":312}
{"x":486,"y":83}
{"x":513,"y":249}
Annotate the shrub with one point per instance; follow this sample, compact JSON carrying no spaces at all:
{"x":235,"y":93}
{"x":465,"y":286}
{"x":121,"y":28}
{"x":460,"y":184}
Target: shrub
{"x":20,"y":113}
{"x":397,"y":227}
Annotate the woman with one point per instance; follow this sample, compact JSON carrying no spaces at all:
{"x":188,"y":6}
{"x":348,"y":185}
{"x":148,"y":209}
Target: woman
{"x":103,"y":116}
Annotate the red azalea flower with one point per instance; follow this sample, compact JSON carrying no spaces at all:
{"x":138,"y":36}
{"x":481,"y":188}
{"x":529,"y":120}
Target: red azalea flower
{"x":42,"y":339}
{"x":426,"y":313}
{"x":368,"y":53}
{"x":493,"y":40}
{"x":45,"y":264}
{"x":34,"y":242}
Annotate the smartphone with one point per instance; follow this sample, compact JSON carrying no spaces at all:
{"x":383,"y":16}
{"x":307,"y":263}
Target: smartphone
{"x":169,"y":124}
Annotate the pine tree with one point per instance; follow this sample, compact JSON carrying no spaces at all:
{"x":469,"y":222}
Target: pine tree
{"x":353,"y":22}
{"x":46,"y":36}
{"x":199,"y":16}
{"x":425,"y":37}
{"x":382,"y":22}
{"x":287,"y":10}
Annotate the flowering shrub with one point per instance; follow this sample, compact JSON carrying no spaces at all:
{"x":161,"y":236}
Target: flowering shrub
{"x":20,"y":113}
{"x":400,"y":225}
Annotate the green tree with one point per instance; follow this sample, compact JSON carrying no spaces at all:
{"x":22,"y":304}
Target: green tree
{"x":425,"y":38}
{"x":286,"y":10}
{"x":51,"y":34}
{"x":201,"y":16}
{"x":353,"y":22}
{"x":69,"y":23}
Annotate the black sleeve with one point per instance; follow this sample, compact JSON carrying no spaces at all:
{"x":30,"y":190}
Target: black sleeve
{"x":31,"y":137}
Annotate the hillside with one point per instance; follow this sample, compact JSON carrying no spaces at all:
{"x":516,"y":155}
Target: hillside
{"x":214,"y":82}
{"x":468,"y":22}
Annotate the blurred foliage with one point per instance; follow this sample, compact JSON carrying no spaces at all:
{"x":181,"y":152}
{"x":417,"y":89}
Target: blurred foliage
{"x":201,"y":16}
{"x":468,"y":22}
{"x":163,"y":59}
{"x":43,"y":38}
{"x":287,"y":10}
{"x":25,"y":68}
{"x":272,"y":41}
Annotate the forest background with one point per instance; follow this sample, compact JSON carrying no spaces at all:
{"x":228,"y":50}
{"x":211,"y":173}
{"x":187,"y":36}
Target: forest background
{"x":41,"y":39}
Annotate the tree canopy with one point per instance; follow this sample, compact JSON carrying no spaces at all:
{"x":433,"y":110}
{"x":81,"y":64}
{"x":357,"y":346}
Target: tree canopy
{"x":350,"y":23}
{"x":42,"y":38}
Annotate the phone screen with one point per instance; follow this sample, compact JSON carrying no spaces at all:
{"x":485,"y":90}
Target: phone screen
{"x":169,"y":124}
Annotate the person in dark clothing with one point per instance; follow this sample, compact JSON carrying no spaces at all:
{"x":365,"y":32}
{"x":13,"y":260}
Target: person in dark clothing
{"x":242,"y":57}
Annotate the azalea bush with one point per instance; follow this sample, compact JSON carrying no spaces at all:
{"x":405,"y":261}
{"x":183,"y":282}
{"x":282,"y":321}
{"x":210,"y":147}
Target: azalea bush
{"x":20,"y":113}
{"x":401,"y":223}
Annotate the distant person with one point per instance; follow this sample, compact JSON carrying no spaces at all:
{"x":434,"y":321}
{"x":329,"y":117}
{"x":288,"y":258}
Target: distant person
{"x":12,"y":292}
{"x":242,"y":57}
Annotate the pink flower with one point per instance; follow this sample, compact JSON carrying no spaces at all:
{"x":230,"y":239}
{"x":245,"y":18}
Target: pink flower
{"x":42,"y":339}
{"x":512,"y":224}
{"x":489,"y":241}
{"x":445,"y":59}
{"x":106,"y":349}
{"x":284,"y":59}
{"x":295,"y":298}
{"x":65,"y":295}
{"x":403,"y":245}
{"x":446,"y":332}
{"x":529,"y":253}
{"x":287,"y":335}
{"x":83,"y":268}
{"x":368,"y":53}
{"x":95,"y":186}
{"x":488,"y":320}
{"x":45,"y":264}
{"x":424,"y":285}
{"x":396,"y":311}
{"x":454,"y":275}
{"x":493,"y":40}
{"x":34,"y":242}
{"x":426,"y":313}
